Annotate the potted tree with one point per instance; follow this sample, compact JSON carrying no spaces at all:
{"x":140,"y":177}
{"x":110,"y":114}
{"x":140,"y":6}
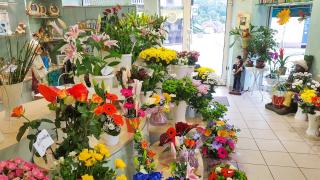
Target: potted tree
{"x":262,"y":43}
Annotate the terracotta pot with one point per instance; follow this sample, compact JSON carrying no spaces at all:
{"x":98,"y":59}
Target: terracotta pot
{"x":132,"y":124}
{"x":260,"y":64}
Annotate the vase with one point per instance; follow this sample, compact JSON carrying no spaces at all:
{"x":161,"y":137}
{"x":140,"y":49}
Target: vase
{"x":313,"y":124}
{"x":11,"y":97}
{"x":110,"y":140}
{"x":108,"y":80}
{"x":180,"y":112}
{"x":158,"y":117}
{"x":132,"y":124}
{"x":191,"y":113}
{"x":300,"y":115}
{"x":182,"y":71}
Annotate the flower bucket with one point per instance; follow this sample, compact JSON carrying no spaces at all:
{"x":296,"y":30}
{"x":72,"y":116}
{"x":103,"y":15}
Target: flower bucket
{"x":182,"y":71}
{"x":125,"y":61}
{"x":132,"y":124}
{"x":108,"y":80}
{"x":110,"y":140}
{"x":11,"y":97}
{"x":313,"y":124}
{"x":180,"y":112}
{"x":300,"y":115}
{"x":157,"y":118}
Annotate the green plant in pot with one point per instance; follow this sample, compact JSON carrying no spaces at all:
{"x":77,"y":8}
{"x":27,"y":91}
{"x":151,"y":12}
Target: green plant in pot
{"x":282,"y":62}
{"x":262,"y":43}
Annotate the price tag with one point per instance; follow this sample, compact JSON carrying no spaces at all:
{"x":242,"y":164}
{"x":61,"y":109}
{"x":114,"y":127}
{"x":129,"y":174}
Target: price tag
{"x":42,"y":143}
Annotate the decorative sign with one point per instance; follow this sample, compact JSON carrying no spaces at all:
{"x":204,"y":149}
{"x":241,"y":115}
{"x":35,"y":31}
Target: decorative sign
{"x":43,"y":142}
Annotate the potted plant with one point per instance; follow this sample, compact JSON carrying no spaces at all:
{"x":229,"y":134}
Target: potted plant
{"x":184,"y":64}
{"x":282,"y":62}
{"x":262,"y":43}
{"x":13,"y":71}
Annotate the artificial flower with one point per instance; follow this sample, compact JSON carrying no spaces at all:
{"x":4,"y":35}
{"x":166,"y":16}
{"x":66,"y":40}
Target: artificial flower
{"x":117,"y":119}
{"x":96,"y":99}
{"x":120,"y":164}
{"x":17,"y":112}
{"x":283,"y":16}
{"x":48,"y":92}
{"x":109,"y":109}
{"x":87,"y":177}
{"x":111,"y":97}
{"x":79,"y":92}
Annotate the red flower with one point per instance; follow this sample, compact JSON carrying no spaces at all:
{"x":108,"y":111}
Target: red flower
{"x":117,"y":119}
{"x":111,"y":97}
{"x":281,"y":51}
{"x":151,"y":154}
{"x":226,"y":172}
{"x":212,"y":176}
{"x":316,"y":101}
{"x":126,"y":92}
{"x":79,"y":92}
{"x":99,"y":110}
{"x":183,"y":128}
{"x":109,"y":109}
{"x":17,"y":112}
{"x":171,"y":132}
{"x":119,"y":7}
{"x":48,"y":92}
{"x":222,"y":153}
{"x":107,"y":11}
{"x":144,"y":144}
{"x":190,"y":143}
{"x":128,"y":105}
{"x":96,"y":99}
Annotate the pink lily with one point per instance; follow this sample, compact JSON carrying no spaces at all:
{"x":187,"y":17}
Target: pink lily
{"x":190,"y":173}
{"x":110,"y":43}
{"x":73,"y":32}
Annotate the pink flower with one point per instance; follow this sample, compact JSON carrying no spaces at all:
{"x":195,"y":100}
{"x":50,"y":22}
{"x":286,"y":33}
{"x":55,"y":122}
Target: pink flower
{"x":37,"y":173}
{"x":222,"y":153}
{"x":141,"y":113}
{"x":19,"y":172}
{"x":12,"y":166}
{"x":110,"y":43}
{"x":73,"y":32}
{"x":3,"y":177}
{"x":70,"y":50}
{"x":203,"y":88}
{"x":196,"y":83}
{"x":231,"y":144}
{"x":18,"y":160}
{"x":129,"y":105}
{"x":221,"y":140}
{"x":126,"y":92}
{"x":96,"y":38}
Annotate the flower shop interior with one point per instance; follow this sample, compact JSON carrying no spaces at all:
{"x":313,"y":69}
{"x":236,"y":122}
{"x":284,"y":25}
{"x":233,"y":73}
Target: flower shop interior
{"x":159,"y":89}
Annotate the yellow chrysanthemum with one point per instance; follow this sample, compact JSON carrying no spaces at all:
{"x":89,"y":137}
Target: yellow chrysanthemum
{"x":157,"y":98}
{"x":120,"y":164}
{"x":307,"y":95}
{"x":84,"y":155}
{"x":121,"y":177}
{"x":220,"y":123}
{"x":102,"y":149}
{"x":283,"y":16}
{"x":161,"y":54}
{"x":98,"y":156}
{"x":87,"y":177}
{"x":203,"y":71}
{"x":167,"y":97}
{"x":223,"y":133}
{"x":90,"y":162}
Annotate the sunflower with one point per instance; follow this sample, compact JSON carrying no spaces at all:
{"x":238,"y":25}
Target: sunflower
{"x":283,"y":16}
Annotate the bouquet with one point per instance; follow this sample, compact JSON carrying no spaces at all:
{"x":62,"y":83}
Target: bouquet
{"x":182,"y":170}
{"x":159,"y":55}
{"x":20,"y":169}
{"x":226,"y":172}
{"x":309,"y":100}
{"x":89,"y":163}
{"x":207,"y":76}
{"x":187,"y":58}
{"x":214,"y":110}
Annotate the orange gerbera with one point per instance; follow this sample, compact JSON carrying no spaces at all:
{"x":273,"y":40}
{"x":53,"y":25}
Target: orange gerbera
{"x":109,"y":109}
{"x":232,"y":133}
{"x":99,"y":110}
{"x":207,"y":132}
{"x":62,"y":93}
{"x":96,"y":99}
{"x":144,"y":144}
{"x":48,"y":92}
{"x":117,"y":119}
{"x":223,"y":133}
{"x":111,"y":97}
{"x":190,"y":143}
{"x":151,"y":154}
{"x":79,"y":92}
{"x":17,"y":112}
{"x":171,"y":132}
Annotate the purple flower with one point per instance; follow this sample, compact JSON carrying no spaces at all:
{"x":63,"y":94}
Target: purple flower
{"x":274,"y":55}
{"x":228,"y":126}
{"x":211,"y":123}
{"x":216,"y":145}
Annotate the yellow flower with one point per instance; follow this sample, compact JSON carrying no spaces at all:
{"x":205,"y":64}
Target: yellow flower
{"x":208,"y":132}
{"x":283,"y":16}
{"x":69,"y":100}
{"x":167,"y":97}
{"x":157,"y":98}
{"x":223,"y":133}
{"x":90,"y":162}
{"x":84,"y":155}
{"x":87,"y":177}
{"x":220,"y":123}
{"x":98,"y":156}
{"x":104,"y":151}
{"x":120,"y":164}
{"x":232,"y":133}
{"x":203,"y":71}
{"x":121,"y":177}
{"x":307,"y":95}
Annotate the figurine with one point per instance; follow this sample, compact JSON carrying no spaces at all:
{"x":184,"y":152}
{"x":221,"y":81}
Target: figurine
{"x":237,"y":70}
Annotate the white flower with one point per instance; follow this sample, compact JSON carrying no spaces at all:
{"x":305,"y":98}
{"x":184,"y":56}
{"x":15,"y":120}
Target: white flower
{"x":111,"y":126}
{"x":293,"y":87}
{"x":232,"y":167}
{"x":317,"y":85}
{"x":313,"y":86}
{"x":72,"y":153}
{"x":229,"y":178}
{"x":150,"y":101}
{"x":308,"y":84}
{"x":218,"y":170}
{"x":61,"y":160}
{"x":301,"y":81}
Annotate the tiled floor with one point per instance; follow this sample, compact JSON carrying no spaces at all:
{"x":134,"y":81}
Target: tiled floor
{"x":271,"y":146}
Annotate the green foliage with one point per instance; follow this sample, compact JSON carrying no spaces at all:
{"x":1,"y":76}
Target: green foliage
{"x":178,"y":170}
{"x":150,"y":84}
{"x":183,"y":89}
{"x":213,"y":111}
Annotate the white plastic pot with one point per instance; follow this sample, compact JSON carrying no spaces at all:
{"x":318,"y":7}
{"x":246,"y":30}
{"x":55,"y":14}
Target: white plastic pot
{"x":108,"y":80}
{"x":110,"y":140}
{"x":313,"y":124}
{"x":300,"y":115}
{"x":182,"y":71}
{"x":180,"y":112}
{"x":11,"y":97}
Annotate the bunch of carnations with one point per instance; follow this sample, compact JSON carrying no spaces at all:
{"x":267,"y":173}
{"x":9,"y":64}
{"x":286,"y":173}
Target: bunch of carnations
{"x":143,"y":158}
{"x":219,"y":139}
{"x":226,"y":172}
{"x":187,"y":58}
{"x":88,"y":164}
{"x":18,"y":168}
{"x":77,"y":116}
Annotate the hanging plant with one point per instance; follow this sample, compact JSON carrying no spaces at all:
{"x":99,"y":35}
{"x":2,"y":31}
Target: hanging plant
{"x":283,"y":16}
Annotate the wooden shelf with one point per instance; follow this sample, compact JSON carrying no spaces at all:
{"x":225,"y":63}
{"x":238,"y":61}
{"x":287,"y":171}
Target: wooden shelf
{"x":44,"y":17}
{"x":287,"y":4}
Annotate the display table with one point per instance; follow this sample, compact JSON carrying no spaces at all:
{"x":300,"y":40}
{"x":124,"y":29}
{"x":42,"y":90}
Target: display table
{"x":164,"y":158}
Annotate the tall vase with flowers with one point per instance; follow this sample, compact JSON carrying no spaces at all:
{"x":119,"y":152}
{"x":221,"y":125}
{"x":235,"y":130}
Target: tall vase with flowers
{"x":13,"y":71}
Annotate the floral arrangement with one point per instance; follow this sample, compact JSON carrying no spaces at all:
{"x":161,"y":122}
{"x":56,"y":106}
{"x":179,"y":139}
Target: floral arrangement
{"x":187,"y":58}
{"x":309,"y":100}
{"x":207,"y":76}
{"x":159,"y":55}
{"x":82,"y":117}
{"x":88,"y":164}
{"x":182,"y":170}
{"x":161,"y":102}
{"x":203,"y":72}
{"x":227,"y":172}
{"x":180,"y":89}
{"x":143,"y":158}
{"x":16,"y":65}
{"x":302,"y":81}
{"x":219,"y":139}
{"x":214,"y":110}
{"x":18,"y":168}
